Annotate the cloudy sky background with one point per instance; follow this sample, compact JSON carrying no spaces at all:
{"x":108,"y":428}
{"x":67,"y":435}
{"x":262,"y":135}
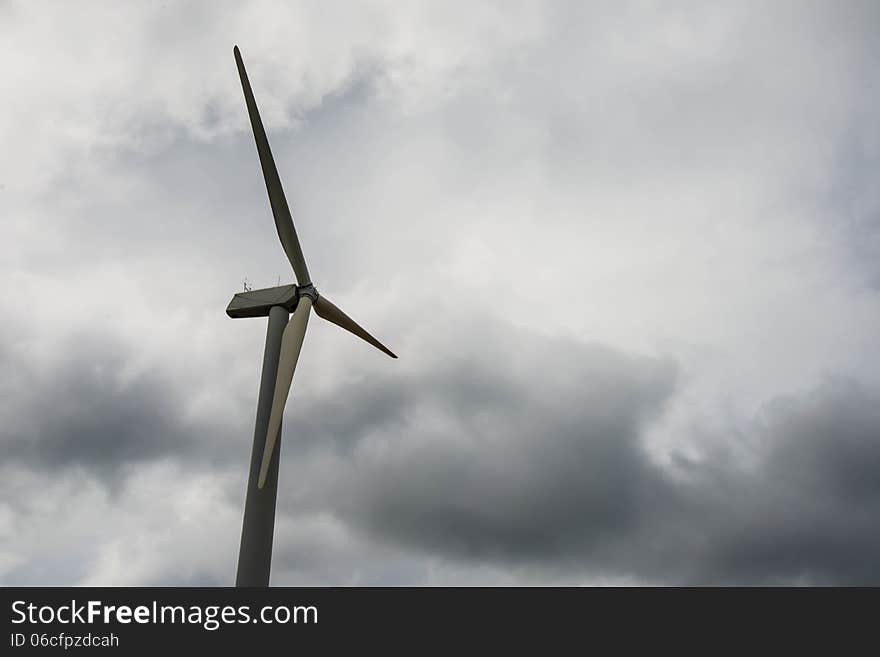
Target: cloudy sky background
{"x":628,"y":253}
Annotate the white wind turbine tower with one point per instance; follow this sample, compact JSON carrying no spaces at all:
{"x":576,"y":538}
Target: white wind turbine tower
{"x":284,"y":339}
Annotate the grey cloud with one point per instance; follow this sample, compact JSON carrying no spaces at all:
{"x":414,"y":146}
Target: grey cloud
{"x":552,"y":473}
{"x":529,"y":460}
{"x":808,"y":511}
{"x":524,"y":467}
{"x":87,"y":412}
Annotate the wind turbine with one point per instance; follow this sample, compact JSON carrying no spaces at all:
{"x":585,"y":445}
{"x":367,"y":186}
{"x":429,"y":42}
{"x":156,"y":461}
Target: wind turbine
{"x":284,"y":339}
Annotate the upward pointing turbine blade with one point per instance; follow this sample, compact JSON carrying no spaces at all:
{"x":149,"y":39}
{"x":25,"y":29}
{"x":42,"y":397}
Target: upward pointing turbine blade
{"x":291,"y":344}
{"x":280,"y":210}
{"x":331,"y":313}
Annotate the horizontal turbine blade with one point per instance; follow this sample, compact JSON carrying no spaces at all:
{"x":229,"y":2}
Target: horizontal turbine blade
{"x":331,"y":313}
{"x":283,"y":220}
{"x":291,"y":344}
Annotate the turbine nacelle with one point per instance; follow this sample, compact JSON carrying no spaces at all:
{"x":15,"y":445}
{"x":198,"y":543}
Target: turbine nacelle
{"x":258,"y":303}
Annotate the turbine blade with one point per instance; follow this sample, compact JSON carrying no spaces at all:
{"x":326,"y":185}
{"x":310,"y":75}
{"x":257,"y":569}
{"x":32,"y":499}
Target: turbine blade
{"x":325,"y":309}
{"x":283,"y":220}
{"x":291,"y":344}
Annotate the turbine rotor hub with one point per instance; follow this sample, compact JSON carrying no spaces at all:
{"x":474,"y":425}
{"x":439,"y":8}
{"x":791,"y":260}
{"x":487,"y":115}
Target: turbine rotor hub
{"x":307,"y":291}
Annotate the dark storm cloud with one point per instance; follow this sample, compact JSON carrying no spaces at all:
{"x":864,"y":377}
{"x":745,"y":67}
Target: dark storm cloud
{"x":530,"y":457}
{"x":86,"y":412}
{"x":809,"y":510}
{"x":518,"y":447}
{"x":492,"y":462}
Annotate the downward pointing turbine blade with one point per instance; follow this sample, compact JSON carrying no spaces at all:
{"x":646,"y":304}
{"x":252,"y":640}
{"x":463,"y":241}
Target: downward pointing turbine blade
{"x":291,"y":344}
{"x":280,"y":210}
{"x":331,"y":313}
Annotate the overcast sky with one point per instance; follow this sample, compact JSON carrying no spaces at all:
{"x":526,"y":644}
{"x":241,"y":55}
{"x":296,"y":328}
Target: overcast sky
{"x":627,"y":252}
